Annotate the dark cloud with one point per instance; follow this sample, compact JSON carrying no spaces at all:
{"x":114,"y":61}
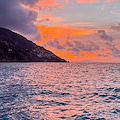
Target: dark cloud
{"x":75,"y":50}
{"x":104,"y":36}
{"x":29,"y":2}
{"x":74,"y":46}
{"x":77,"y":46}
{"x":82,"y":55}
{"x":14,"y":16}
{"x":103,"y":55}
{"x":68,"y":43}
{"x":89,"y":46}
{"x":55,"y":44}
{"x":116,"y":28}
{"x":115,"y":52}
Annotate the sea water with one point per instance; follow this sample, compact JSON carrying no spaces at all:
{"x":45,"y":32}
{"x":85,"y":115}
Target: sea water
{"x":59,"y":91}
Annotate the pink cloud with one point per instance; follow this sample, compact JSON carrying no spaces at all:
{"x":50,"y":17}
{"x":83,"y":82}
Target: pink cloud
{"x":87,"y":1}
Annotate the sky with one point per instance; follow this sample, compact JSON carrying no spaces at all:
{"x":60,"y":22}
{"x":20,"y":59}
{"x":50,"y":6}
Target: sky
{"x":76,"y":30}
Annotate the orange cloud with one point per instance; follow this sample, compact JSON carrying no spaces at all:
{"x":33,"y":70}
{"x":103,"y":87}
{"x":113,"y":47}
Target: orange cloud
{"x":68,"y":56}
{"x":49,"y":4}
{"x":118,"y":47}
{"x":52,"y":32}
{"x":87,"y":1}
{"x":114,"y":13}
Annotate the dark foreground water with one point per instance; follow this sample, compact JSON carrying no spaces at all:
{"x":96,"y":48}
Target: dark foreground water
{"x":56,"y":91}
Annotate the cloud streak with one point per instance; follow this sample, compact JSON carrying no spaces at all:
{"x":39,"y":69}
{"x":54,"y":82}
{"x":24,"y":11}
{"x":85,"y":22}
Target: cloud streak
{"x":114,"y":13}
{"x":48,"y":18}
{"x":94,"y":1}
{"x":87,"y":1}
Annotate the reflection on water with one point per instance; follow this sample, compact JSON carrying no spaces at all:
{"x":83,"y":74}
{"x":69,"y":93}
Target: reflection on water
{"x":56,"y":91}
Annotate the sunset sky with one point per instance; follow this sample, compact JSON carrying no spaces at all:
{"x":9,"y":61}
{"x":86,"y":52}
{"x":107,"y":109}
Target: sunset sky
{"x":76,"y":30}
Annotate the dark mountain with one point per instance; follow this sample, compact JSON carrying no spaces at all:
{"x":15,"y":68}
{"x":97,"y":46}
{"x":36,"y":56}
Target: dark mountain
{"x":16,"y":48}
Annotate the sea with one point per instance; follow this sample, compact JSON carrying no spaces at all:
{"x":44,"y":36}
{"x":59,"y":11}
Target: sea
{"x":60,"y":91}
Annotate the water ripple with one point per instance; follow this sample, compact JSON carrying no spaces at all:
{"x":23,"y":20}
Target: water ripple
{"x":59,"y":91}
